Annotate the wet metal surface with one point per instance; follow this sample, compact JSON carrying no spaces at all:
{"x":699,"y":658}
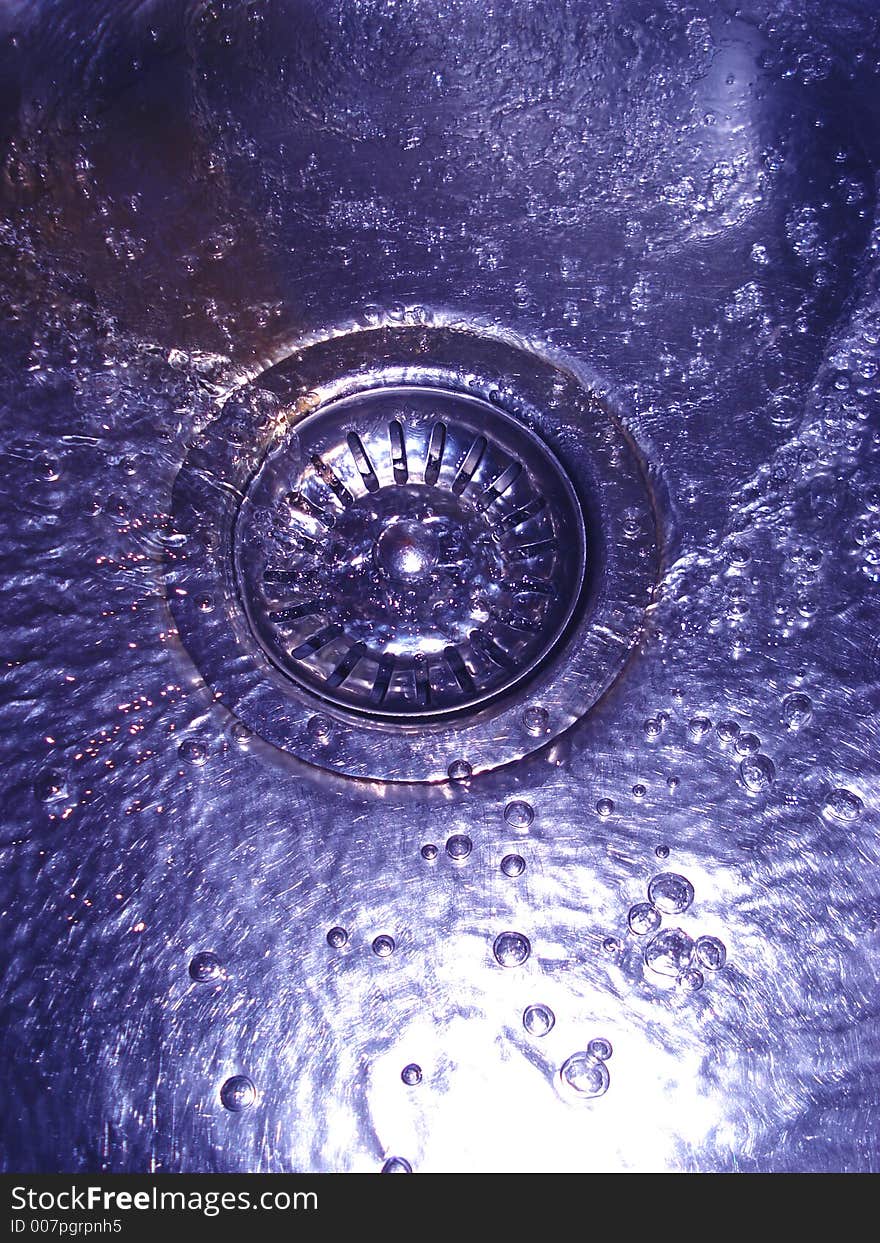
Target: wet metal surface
{"x":647,"y":938}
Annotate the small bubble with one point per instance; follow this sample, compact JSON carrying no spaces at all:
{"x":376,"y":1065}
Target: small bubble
{"x":652,"y":728}
{"x":672,"y":784}
{"x":511,"y":949}
{"x":536,"y":721}
{"x":205,"y":967}
{"x":459,"y":770}
{"x":844,"y":805}
{"x":600,"y":1048}
{"x":611,"y":946}
{"x":241,"y":734}
{"x":726,"y":731}
{"x":670,"y":893}
{"x":797,"y":710}
{"x":513,"y":865}
{"x":459,"y":846}
{"x":691,"y":980}
{"x":429,"y":852}
{"x":205,"y":604}
{"x":738,"y":555}
{"x":644,"y":918}
{"x":383,"y":946}
{"x":698,"y":727}
{"x":605,"y":807}
{"x":238,"y":1093}
{"x":757,"y":773}
{"x":519,"y":814}
{"x":747,"y":744}
{"x":337,"y":938}
{"x":319,"y":729}
{"x":50,"y":785}
{"x":584,"y":1076}
{"x":411,"y":1075}
{"x":192,"y":751}
{"x":538,"y":1020}
{"x":670,"y":952}
{"x":711,"y":953}
{"x":397,"y":1165}
{"x":639,"y":791}
{"x":662,"y":852}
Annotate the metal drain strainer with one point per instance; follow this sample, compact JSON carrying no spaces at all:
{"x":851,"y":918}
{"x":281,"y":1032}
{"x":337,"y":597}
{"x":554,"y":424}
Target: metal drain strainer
{"x":388,"y":570}
{"x":409,"y":552}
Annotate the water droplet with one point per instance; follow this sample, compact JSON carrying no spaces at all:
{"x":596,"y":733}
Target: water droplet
{"x":652,"y":728}
{"x":844,"y":805}
{"x":192,"y":751}
{"x":670,"y":893}
{"x":747,"y":744}
{"x":205,"y":968}
{"x":670,"y":952}
{"x":320,"y":729}
{"x":518,"y":814}
{"x":238,"y":1093}
{"x":584,"y":1076}
{"x":698,"y":727}
{"x":672,"y":784}
{"x":411,"y":1075}
{"x":241,"y":733}
{"x":538,"y":1020}
{"x":337,"y":938}
{"x":511,"y":949}
{"x":397,"y":1165}
{"x":429,"y":852}
{"x":611,"y":946}
{"x":605,"y":807}
{"x":662,"y":852}
{"x":459,"y":770}
{"x":726,"y":731}
{"x":639,"y":791}
{"x":459,"y":846}
{"x":692,"y":979}
{"x":711,"y":953}
{"x":383,"y":946}
{"x":600,"y":1048}
{"x":513,"y":865}
{"x":757,"y":773}
{"x":797,"y":710}
{"x":50,"y":785}
{"x":644,"y":918}
{"x":536,"y":721}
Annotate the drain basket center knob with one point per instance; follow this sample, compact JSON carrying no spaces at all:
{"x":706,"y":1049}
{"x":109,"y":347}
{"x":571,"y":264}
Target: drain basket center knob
{"x":407,"y":551}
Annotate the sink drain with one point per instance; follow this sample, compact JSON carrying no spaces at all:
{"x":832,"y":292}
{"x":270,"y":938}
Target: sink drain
{"x":381,"y":536}
{"x":409,"y":552}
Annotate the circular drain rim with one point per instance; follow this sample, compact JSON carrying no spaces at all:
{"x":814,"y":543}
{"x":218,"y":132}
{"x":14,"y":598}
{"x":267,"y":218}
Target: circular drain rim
{"x":554,"y":405}
{"x":440,"y":449}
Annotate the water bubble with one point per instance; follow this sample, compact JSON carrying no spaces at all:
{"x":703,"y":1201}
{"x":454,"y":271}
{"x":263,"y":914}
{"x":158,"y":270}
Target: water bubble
{"x":192,"y":751}
{"x":672,"y":784}
{"x":662,"y":852}
{"x":711,"y":953}
{"x":238,"y":1093}
{"x":747,"y":744}
{"x":459,"y":846}
{"x":843,"y":805}
{"x":726,"y":731}
{"x":644,"y":918}
{"x":639,"y":791}
{"x":670,"y":952}
{"x":611,"y":946}
{"x":511,"y":949}
{"x":320,"y":729}
{"x":519,"y":814}
{"x":797,"y":710}
{"x":757,"y":773}
{"x":383,"y":946}
{"x":397,"y":1165}
{"x":205,"y":967}
{"x":692,"y":979}
{"x":459,"y":770}
{"x":536,"y":721}
{"x":584,"y":1076}
{"x":600,"y":1048}
{"x":698,"y":727}
{"x":538,"y":1020}
{"x":605,"y":807}
{"x":50,"y":785}
{"x":337,"y":938}
{"x":429,"y":852}
{"x":652,"y":728}
{"x":241,"y":734}
{"x":670,"y":893}
{"x":411,"y":1075}
{"x":513,"y":865}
